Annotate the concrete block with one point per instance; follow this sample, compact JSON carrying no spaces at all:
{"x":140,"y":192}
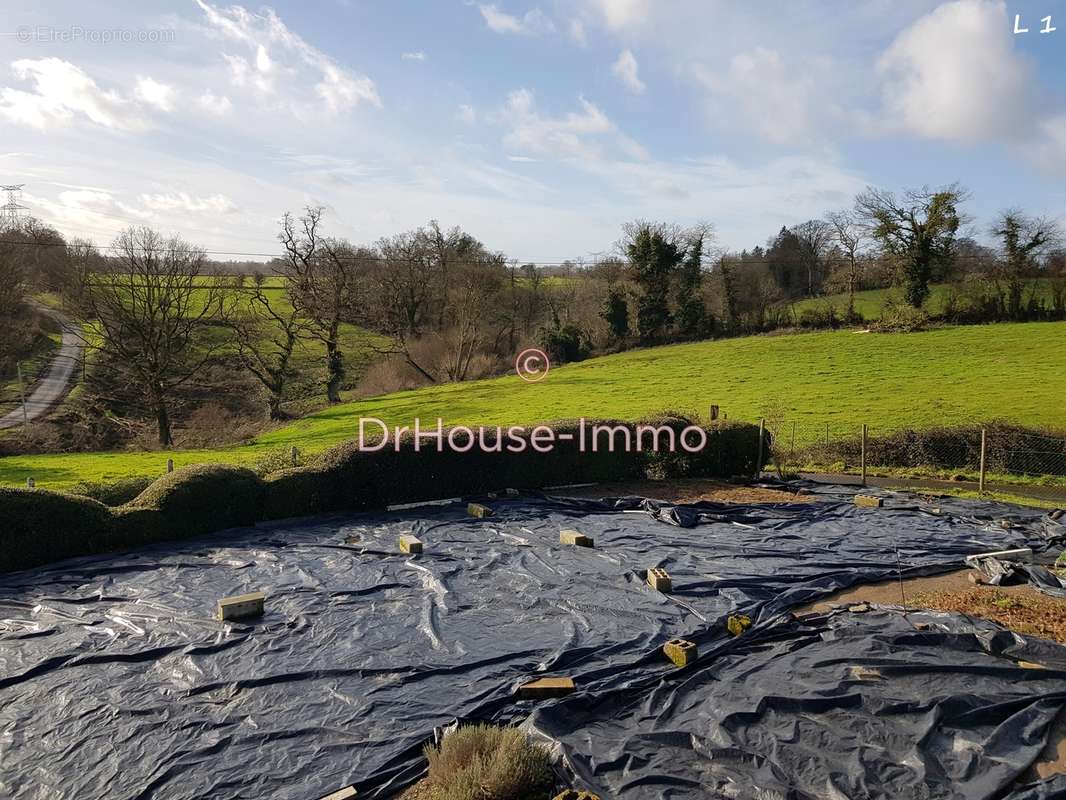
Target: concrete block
{"x":574,"y":794}
{"x":242,"y":606}
{"x":410,"y":544}
{"x":544,"y":688}
{"x":736,"y":624}
{"x":859,"y":608}
{"x":1030,"y":665}
{"x":865,"y":674}
{"x":576,"y":538}
{"x":869,"y":501}
{"x":341,"y":794}
{"x":478,"y":510}
{"x":352,"y":539}
{"x":659,"y":580}
{"x":681,"y":651}
{"x":1018,"y":554}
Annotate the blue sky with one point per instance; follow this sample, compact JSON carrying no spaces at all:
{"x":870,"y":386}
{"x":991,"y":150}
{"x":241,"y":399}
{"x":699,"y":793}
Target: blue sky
{"x":540,"y":127}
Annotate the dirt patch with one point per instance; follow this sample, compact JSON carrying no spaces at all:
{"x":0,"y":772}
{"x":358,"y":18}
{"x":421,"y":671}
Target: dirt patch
{"x":688,"y":490}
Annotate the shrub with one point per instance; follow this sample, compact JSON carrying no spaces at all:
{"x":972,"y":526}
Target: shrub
{"x":204,"y":498}
{"x":113,"y":494}
{"x":485,"y":762}
{"x":565,"y":343}
{"x":42,"y":526}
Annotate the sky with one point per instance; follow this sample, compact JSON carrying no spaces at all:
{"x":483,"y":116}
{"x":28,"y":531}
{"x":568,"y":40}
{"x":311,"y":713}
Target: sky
{"x":539,"y":126}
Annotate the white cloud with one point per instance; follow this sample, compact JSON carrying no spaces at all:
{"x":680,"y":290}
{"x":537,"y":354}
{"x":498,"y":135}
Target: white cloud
{"x":533,"y":23}
{"x":182,"y":201}
{"x":622,"y":13}
{"x":217,"y":105}
{"x":467,"y":114}
{"x":268,"y":37}
{"x":625,"y":69}
{"x":954,"y":74}
{"x":61,"y":93}
{"x":774,"y":99}
{"x":577,"y":135}
{"x":154,"y":93}
{"x":416,"y":55}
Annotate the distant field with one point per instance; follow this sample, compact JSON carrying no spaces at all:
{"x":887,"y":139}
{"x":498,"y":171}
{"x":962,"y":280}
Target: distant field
{"x":892,"y":381}
{"x":869,"y":304}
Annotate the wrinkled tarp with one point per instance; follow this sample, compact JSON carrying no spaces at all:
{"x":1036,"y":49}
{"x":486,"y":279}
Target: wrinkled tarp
{"x":115,"y":680}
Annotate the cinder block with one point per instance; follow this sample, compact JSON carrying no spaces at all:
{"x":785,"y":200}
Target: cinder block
{"x":869,"y":501}
{"x":736,"y":624}
{"x":859,"y":608}
{"x":659,"y":580}
{"x":1030,"y":665}
{"x":242,"y":606}
{"x":1018,"y":554}
{"x":681,"y":651}
{"x":341,"y":794}
{"x":544,"y":688}
{"x":574,"y":794}
{"x":478,"y":510}
{"x":410,"y":544}
{"x":576,"y":538}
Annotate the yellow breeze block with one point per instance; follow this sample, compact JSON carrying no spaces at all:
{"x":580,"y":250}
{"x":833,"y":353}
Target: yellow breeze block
{"x":569,"y":536}
{"x":242,"y":606}
{"x":478,"y":510}
{"x":869,"y":501}
{"x":659,"y":579}
{"x":737,"y":624}
{"x":681,"y":651}
{"x":410,"y":544}
{"x":347,"y":793}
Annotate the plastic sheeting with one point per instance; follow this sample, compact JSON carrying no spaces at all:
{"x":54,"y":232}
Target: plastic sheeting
{"x":115,"y":680}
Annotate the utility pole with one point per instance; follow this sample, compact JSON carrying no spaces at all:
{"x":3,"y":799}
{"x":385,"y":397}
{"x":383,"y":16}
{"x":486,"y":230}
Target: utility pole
{"x":22,"y":393}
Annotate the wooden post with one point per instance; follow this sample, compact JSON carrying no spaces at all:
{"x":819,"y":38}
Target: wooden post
{"x":981,"y":480}
{"x":827,"y":434}
{"x":294,"y":455}
{"x":792,"y":447}
{"x":864,"y":454}
{"x":30,"y":483}
{"x":22,"y":393}
{"x":170,"y":465}
{"x":714,"y":413}
{"x":758,"y":461}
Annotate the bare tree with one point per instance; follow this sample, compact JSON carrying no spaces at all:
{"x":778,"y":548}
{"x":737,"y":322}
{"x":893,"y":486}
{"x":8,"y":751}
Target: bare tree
{"x":1024,"y":240}
{"x":266,"y":331}
{"x":146,"y":306}
{"x":814,"y":237}
{"x":324,"y":284}
{"x":918,"y":229}
{"x":848,"y":235}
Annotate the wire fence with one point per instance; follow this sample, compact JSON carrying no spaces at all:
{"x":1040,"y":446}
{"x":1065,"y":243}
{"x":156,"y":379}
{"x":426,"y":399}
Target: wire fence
{"x":998,"y":458}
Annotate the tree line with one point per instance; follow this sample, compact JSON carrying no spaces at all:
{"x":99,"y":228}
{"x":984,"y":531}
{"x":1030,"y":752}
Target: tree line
{"x":444,"y":307}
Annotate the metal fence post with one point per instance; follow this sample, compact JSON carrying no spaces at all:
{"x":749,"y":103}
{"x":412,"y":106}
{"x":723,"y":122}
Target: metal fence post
{"x":863,"y":454}
{"x":981,"y":479}
{"x":758,"y":461}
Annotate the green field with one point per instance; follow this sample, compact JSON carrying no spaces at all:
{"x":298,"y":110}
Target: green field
{"x":892,"y":381}
{"x":869,"y":304}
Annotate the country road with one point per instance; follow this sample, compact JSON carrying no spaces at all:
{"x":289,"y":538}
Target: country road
{"x":51,"y":388}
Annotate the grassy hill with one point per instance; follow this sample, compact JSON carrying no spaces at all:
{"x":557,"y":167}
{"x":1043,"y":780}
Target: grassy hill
{"x":869,"y":303}
{"x":891,"y":381}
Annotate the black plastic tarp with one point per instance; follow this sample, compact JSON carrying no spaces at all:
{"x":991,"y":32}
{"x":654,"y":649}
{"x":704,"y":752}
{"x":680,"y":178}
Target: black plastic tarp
{"x":115,"y":680}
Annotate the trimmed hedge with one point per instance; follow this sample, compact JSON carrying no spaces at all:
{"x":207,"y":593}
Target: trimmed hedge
{"x":38,"y":526}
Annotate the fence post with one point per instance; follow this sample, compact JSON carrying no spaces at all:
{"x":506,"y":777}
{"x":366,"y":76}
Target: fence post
{"x":792,"y":446}
{"x":294,"y":456}
{"x":170,"y":465}
{"x":758,"y":461}
{"x":22,"y":393}
{"x":864,"y":454}
{"x":827,"y":434}
{"x":981,"y":479}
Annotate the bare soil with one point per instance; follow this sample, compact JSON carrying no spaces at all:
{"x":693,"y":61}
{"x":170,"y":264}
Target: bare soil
{"x":687,"y":490}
